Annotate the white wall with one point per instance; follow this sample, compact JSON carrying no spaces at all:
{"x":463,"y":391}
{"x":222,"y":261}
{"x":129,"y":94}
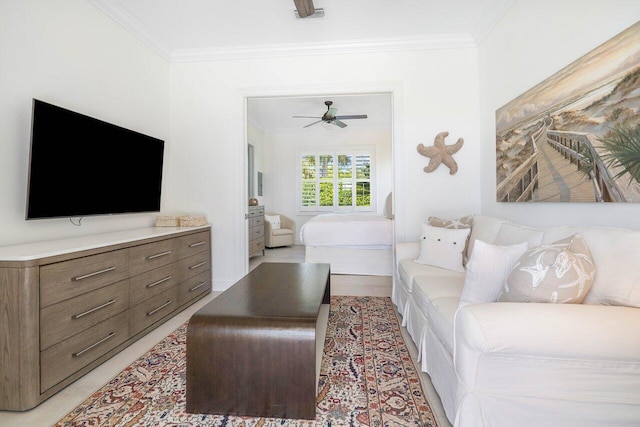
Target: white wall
{"x":70,"y":54}
{"x":433,"y":91}
{"x":281,"y":173}
{"x":536,"y":39}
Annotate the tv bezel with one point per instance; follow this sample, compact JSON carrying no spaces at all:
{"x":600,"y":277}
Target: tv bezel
{"x":103,"y":122}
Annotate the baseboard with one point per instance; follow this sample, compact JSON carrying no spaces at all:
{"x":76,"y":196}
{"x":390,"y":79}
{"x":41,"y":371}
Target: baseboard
{"x":356,"y":285}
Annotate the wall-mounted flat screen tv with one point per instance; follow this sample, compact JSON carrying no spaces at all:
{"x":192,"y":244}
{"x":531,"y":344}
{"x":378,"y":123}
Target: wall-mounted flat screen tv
{"x":82,"y":166}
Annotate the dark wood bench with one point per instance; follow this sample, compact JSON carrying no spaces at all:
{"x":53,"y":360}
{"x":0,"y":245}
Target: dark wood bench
{"x":252,"y":350}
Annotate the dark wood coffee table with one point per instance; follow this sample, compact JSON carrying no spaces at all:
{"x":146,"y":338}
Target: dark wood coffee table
{"x":252,"y":350}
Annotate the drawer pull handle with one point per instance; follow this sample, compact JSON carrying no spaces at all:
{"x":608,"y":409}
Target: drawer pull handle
{"x":154,"y":311}
{"x":108,"y":303}
{"x":151,"y":285}
{"x":158,"y":255}
{"x":200,"y":264}
{"x":86,"y":276}
{"x":81,"y":352}
{"x":193,"y":245}
{"x":196,"y":287}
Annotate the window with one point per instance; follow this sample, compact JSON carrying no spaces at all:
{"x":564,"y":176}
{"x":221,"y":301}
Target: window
{"x":336,"y":181}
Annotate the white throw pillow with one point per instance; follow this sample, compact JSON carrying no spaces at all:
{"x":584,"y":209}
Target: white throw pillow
{"x":442,"y":247}
{"x":274,"y":220}
{"x":464,"y":222}
{"x":560,"y":272}
{"x":487,"y":270}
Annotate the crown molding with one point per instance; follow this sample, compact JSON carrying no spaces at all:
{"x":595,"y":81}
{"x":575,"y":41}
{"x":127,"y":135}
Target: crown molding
{"x":132,"y":25}
{"x":440,"y":41}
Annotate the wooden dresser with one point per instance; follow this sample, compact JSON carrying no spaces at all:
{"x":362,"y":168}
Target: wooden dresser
{"x":66,"y":306}
{"x":256,"y":230}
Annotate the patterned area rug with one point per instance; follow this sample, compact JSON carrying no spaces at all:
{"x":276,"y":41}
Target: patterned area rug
{"x":367,"y":378}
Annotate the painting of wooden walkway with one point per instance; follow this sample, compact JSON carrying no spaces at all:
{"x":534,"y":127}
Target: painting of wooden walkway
{"x":559,"y":179}
{"x":586,"y":114}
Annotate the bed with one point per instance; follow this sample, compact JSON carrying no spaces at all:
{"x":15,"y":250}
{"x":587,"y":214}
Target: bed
{"x":354,"y":244}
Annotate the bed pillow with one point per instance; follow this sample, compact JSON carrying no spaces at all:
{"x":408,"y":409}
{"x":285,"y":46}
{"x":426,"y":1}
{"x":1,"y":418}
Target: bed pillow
{"x":274,"y":220}
{"x":460,"y":223}
{"x":487,"y":269}
{"x":561,"y":272}
{"x":442,"y":247}
{"x":388,"y":207}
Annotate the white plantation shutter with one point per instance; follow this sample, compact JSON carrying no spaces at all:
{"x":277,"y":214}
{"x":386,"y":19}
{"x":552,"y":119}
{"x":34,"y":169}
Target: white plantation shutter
{"x":335,"y":181}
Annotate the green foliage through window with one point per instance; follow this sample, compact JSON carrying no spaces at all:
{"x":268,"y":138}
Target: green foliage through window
{"x":336,"y":180}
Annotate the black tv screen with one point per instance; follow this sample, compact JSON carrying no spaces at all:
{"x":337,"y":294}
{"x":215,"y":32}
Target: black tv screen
{"x":81,"y":166}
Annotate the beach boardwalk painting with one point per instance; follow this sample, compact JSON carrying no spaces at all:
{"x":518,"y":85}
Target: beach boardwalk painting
{"x":575,"y":137}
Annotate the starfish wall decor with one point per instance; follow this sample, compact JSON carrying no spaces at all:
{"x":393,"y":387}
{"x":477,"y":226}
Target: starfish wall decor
{"x":441,"y":153}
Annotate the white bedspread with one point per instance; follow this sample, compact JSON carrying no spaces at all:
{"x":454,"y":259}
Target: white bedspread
{"x":347,"y":230}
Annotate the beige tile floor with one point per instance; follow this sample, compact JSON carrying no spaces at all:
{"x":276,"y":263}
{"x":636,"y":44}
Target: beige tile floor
{"x":50,"y":411}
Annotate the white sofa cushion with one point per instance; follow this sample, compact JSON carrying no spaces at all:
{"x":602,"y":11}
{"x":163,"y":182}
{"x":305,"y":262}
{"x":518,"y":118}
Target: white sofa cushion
{"x":442,"y":247}
{"x":408,"y":269}
{"x":437,"y":298}
{"x":561,"y":272}
{"x":484,"y":228}
{"x":615,"y":257}
{"x":511,"y":234}
{"x":487,"y":270}
{"x":440,"y":320}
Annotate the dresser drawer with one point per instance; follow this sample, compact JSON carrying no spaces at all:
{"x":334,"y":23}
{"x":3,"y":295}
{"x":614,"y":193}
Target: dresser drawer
{"x":73,"y":354}
{"x":151,"y":283}
{"x":68,"y":279}
{"x":193,"y":265}
{"x":152,"y":310}
{"x":256,"y":221}
{"x":257,"y":211}
{"x":256,"y":245}
{"x":153,"y":255}
{"x":67,"y":318}
{"x":256,"y":232}
{"x":194,"y":244}
{"x":194,"y":286}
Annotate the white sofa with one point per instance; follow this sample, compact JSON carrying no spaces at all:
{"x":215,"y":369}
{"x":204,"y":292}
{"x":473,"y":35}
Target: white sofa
{"x":520,"y":364}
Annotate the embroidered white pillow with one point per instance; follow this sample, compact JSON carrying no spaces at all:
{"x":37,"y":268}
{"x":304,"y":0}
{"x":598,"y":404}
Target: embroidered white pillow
{"x":464,"y":222}
{"x":442,"y":247}
{"x":561,"y":272}
{"x":487,"y":269}
{"x":274,"y":220}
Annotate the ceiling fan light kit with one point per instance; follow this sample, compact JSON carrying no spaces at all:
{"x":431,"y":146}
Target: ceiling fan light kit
{"x":330,"y":117}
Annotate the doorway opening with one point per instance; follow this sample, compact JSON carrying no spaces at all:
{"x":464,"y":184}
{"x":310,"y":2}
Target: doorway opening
{"x":281,"y":130}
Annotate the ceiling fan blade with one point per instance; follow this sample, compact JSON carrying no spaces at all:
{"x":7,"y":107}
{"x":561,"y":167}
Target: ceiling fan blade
{"x":304,"y":7}
{"x":331,"y":112}
{"x":352,"y":116}
{"x":339,"y":123}
{"x":306,"y":117}
{"x":311,"y":124}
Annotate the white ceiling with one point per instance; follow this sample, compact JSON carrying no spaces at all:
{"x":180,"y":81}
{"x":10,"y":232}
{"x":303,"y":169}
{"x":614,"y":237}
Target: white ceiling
{"x":192,"y":30}
{"x":185,"y":29}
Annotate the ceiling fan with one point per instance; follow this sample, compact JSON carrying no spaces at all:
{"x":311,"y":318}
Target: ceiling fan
{"x":304,"y":8}
{"x":330,"y":117}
